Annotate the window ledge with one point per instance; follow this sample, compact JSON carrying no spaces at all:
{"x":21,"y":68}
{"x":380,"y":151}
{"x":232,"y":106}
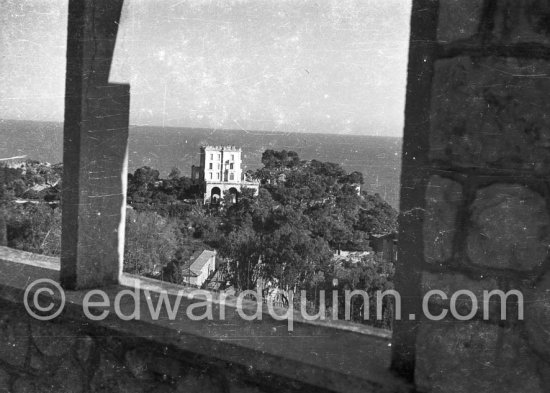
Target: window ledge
{"x":334,"y":356}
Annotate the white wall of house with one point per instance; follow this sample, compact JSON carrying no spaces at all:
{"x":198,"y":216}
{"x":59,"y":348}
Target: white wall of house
{"x":207,"y":269}
{"x":205,"y":272}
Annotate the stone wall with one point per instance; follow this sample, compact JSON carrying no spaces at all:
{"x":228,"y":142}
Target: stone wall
{"x":171,"y":350}
{"x":65,"y":356}
{"x":475,"y":194}
{"x":3,"y":229}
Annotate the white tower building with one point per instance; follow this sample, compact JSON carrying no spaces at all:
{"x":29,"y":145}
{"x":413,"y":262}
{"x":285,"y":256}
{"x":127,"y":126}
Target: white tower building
{"x":221,"y":170}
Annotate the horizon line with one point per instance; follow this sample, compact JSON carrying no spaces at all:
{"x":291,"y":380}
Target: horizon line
{"x":222,"y":129}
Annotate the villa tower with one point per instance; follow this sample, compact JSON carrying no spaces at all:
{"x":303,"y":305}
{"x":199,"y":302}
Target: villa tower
{"x":221,"y":170}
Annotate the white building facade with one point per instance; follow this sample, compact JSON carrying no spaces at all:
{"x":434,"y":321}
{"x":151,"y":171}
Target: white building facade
{"x":221,"y":170}
{"x":197,"y":271}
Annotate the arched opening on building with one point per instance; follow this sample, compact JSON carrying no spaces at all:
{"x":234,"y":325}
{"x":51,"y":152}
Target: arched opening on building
{"x":215,"y":195}
{"x":234,"y":195}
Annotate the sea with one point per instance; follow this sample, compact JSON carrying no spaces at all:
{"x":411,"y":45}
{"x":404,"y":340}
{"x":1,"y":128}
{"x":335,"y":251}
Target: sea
{"x":378,"y":158}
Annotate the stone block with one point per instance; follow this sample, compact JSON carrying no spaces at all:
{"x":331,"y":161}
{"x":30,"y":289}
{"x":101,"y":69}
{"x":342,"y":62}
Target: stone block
{"x":24,"y":385}
{"x":129,"y":385}
{"x":166,"y":366}
{"x":37,"y":361}
{"x":522,"y":21}
{"x":52,"y":339}
{"x":83,"y":348}
{"x":537,"y":316}
{"x":106,"y":374}
{"x":443,"y":199}
{"x":509,"y":228}
{"x":138,"y":364}
{"x":68,"y":378}
{"x":242,"y":388}
{"x":474,"y":357}
{"x":195,"y":382}
{"x":491,"y":112}
{"x":458,"y":19}
{"x":112,"y":375}
{"x":165,"y":388}
{"x":3,"y":229}
{"x":145,"y":365}
{"x":14,"y":341}
{"x":4,"y":381}
{"x":450,"y":283}
{"x":122,"y":384}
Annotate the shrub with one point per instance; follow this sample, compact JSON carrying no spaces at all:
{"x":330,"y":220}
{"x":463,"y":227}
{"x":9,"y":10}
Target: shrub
{"x":151,"y":242}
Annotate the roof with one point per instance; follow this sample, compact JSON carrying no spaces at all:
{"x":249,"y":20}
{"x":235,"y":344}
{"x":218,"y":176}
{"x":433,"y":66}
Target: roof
{"x":384,"y":235}
{"x":221,"y":148}
{"x":197,"y":261}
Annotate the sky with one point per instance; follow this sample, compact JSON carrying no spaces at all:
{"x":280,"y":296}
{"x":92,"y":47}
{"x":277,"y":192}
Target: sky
{"x":331,"y":66}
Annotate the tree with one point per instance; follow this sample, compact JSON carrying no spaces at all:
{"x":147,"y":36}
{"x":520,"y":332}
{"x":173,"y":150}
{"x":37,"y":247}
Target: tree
{"x":145,"y":176}
{"x":151,"y":242}
{"x":370,"y":274}
{"x":290,"y":256}
{"x":248,"y":206}
{"x":352,"y":178}
{"x":327,"y":196}
{"x":242,"y":247}
{"x":270,"y":241}
{"x":334,"y":230}
{"x":175,"y":174}
{"x":34,"y":227}
{"x":376,"y":216}
{"x":142,"y":184}
{"x":286,"y":235}
{"x":327,"y":169}
{"x":278,"y":159}
{"x":19,"y":187}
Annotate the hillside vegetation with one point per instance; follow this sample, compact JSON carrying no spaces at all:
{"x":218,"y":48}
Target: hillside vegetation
{"x":286,"y":237}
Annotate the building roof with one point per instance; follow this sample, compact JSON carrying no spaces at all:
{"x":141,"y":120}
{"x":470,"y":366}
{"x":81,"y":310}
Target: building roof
{"x":384,"y":235}
{"x":196,"y":263}
{"x":221,"y":148}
